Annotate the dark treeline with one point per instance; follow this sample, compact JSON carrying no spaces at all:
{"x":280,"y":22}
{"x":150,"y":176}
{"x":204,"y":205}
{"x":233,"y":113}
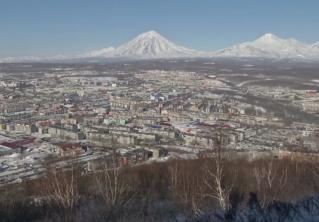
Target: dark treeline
{"x":179,"y":189}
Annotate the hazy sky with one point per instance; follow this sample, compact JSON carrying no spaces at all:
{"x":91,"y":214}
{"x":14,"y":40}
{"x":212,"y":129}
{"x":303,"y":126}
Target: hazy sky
{"x":49,"y":27}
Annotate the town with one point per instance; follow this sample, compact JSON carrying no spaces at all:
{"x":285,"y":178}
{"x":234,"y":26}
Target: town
{"x":123,"y":114}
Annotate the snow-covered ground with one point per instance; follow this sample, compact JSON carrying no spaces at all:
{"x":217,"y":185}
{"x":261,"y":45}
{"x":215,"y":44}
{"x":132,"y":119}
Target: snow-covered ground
{"x":302,"y":211}
{"x":19,"y":166}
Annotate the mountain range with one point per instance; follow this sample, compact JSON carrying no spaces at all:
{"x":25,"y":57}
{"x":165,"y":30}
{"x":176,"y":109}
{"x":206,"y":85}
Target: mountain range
{"x":271,"y":46}
{"x":152,"y":45}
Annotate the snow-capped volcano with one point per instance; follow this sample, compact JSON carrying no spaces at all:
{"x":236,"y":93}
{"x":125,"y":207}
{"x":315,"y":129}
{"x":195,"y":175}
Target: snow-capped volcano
{"x":270,"y":46}
{"x":153,"y":45}
{"x":148,"y":45}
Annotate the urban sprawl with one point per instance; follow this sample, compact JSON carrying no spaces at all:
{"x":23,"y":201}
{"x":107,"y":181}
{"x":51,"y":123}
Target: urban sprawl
{"x":55,"y":116}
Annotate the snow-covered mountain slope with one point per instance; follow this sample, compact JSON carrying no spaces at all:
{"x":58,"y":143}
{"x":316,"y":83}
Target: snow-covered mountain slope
{"x":315,"y":46}
{"x":271,"y":46}
{"x":148,"y":45}
{"x":153,"y":45}
{"x":105,"y":52}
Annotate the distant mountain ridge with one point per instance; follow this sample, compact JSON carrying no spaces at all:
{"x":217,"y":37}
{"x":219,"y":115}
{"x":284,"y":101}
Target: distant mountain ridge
{"x":152,"y":45}
{"x":271,"y":46}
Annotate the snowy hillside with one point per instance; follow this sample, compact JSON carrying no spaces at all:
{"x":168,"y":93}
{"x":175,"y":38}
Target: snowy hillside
{"x":105,"y":52}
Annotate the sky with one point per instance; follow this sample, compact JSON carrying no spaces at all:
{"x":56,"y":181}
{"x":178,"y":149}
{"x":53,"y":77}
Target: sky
{"x":56,"y":27}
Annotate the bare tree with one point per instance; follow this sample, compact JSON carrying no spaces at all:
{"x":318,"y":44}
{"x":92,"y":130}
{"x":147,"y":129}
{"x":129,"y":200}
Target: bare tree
{"x":315,"y":175}
{"x":114,"y":189}
{"x":186,"y":184}
{"x":62,"y":188}
{"x":218,"y":188}
{"x":271,"y":179}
